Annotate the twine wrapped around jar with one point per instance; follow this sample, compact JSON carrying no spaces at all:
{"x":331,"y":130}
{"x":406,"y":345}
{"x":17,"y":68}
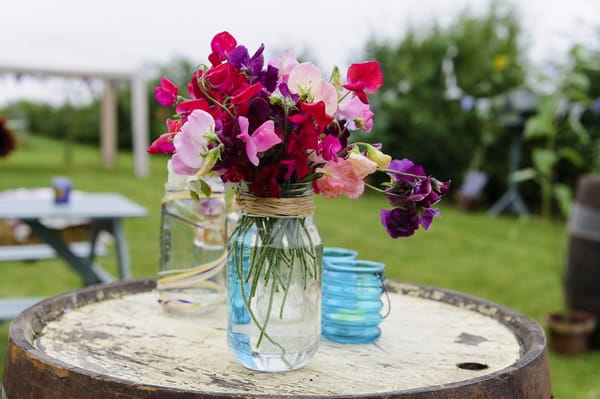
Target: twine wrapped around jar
{"x":276,"y":207}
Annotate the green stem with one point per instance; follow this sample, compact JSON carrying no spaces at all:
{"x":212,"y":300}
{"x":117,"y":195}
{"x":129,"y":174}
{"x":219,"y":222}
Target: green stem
{"x":212,"y":99}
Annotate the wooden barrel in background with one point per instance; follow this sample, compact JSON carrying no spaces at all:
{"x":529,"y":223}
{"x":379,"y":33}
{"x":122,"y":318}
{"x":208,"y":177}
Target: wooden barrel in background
{"x":113,"y":341}
{"x":582,"y":276}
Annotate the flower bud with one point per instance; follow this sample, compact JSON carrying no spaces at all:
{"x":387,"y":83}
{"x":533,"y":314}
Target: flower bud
{"x":381,"y":159}
{"x":210,"y":159}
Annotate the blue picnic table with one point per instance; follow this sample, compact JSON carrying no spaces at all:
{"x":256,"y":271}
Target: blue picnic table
{"x":105,"y":212}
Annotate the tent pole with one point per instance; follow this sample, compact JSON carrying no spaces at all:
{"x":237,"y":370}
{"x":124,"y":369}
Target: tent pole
{"x":139,"y":121}
{"x":108,"y":125}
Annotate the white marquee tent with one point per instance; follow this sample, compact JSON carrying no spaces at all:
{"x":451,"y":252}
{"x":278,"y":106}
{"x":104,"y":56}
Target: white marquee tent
{"x":52,"y":57}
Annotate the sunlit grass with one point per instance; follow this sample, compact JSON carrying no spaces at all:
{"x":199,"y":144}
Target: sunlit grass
{"x":516,"y":262}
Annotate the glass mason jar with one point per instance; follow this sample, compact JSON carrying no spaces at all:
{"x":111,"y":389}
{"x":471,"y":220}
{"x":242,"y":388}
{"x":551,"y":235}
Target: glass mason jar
{"x":192,"y":252}
{"x":352,"y":292}
{"x":274,"y":280}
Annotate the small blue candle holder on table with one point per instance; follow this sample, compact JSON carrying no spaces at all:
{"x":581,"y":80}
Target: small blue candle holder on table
{"x":336,"y":253}
{"x":352,"y":290}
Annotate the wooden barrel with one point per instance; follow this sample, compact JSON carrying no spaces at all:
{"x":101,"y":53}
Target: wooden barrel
{"x":582,"y":276}
{"x":113,"y":341}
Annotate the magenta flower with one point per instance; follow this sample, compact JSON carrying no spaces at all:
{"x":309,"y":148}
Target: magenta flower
{"x":166,"y":93}
{"x":162,"y":145}
{"x":263,"y":138}
{"x":329,"y":148}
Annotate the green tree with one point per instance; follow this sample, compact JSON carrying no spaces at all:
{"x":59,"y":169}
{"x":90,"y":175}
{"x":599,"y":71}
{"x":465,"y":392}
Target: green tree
{"x":421,"y":116}
{"x":565,"y":134}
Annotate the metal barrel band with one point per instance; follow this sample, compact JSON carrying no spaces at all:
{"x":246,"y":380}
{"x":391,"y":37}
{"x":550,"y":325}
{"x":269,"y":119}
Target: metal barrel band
{"x":585,"y":222}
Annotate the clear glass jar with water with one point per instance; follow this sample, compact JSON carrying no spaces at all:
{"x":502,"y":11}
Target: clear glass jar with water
{"x":193,"y":252}
{"x":274,"y":283}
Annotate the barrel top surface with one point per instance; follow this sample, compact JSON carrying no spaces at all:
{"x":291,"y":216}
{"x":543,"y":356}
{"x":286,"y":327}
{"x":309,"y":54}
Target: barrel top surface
{"x":430,"y":338}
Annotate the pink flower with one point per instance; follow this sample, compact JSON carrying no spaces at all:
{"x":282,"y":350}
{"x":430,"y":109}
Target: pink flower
{"x":338,"y":179}
{"x":191,"y":144}
{"x":362,"y":165}
{"x":366,"y":76}
{"x":357,"y":113}
{"x":305,"y":80}
{"x":285,"y":64}
{"x":166,"y":93}
{"x":263,"y":138}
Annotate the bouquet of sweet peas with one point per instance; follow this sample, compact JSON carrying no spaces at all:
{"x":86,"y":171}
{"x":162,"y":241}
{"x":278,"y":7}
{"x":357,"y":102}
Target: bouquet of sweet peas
{"x":283,"y":123}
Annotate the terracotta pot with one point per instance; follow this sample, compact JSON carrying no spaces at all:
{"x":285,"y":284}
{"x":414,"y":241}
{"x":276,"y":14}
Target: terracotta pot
{"x":570,"y":331}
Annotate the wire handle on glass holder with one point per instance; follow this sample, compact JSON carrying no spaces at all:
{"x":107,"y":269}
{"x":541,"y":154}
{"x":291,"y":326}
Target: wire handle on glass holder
{"x":387,"y":295}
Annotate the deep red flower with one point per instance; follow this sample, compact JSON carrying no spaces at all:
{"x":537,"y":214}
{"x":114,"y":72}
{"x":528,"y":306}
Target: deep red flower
{"x":366,"y":76}
{"x":221,"y":45}
{"x":174,"y":125}
{"x":187,"y":107}
{"x":266,"y":183}
{"x":226,"y":79}
{"x":317,"y":113}
{"x":246,"y":93}
{"x":193,"y":87}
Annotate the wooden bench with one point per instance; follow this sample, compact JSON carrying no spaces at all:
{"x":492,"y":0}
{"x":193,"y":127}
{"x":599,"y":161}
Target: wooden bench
{"x":44,"y":251}
{"x":10,"y":307}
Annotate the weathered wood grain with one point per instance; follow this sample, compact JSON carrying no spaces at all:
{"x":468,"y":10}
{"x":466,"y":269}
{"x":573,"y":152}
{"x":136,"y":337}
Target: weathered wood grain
{"x":432,"y":341}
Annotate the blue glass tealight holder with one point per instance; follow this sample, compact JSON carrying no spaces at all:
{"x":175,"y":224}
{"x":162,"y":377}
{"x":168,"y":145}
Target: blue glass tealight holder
{"x":351,"y":301}
{"x":336,"y":253}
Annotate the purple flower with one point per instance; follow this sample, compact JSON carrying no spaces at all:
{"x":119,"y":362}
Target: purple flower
{"x":412,"y":193}
{"x":405,"y":166}
{"x":240,"y":58}
{"x":399,"y":222}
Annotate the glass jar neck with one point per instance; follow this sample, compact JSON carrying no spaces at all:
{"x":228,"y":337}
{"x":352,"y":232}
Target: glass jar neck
{"x":288,"y":190}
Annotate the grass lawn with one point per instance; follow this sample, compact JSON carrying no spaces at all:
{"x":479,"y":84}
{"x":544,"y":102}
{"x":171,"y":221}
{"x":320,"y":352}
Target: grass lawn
{"x":516,"y":262}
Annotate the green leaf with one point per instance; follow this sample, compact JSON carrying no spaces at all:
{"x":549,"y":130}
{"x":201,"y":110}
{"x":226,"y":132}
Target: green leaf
{"x":575,"y":123}
{"x":572,"y":156}
{"x":523,"y":174}
{"x":194,"y":195}
{"x":544,"y":160}
{"x":536,"y":127}
{"x":564,"y":197}
{"x":205,"y":188}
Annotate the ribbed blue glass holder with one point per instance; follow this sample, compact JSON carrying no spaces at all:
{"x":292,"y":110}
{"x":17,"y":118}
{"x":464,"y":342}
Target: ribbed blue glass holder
{"x":351,"y":300}
{"x":336,"y":253}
